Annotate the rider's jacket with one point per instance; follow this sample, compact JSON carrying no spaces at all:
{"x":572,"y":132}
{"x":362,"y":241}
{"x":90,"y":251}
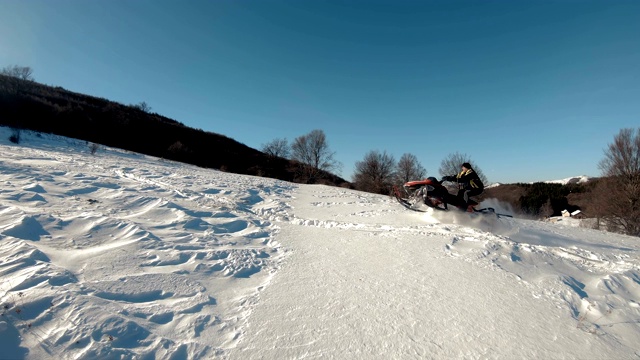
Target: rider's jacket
{"x":469,"y":180}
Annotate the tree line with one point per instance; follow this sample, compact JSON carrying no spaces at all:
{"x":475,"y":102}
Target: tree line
{"x":377,"y":172}
{"x":614,"y":199}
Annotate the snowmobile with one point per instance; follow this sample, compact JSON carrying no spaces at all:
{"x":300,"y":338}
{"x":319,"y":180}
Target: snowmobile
{"x":433,"y":194}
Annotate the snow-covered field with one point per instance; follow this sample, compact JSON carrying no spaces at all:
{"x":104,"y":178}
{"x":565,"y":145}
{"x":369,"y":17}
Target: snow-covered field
{"x":119,"y":255}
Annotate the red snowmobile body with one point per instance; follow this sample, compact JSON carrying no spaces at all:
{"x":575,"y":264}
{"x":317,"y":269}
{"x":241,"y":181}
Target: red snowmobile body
{"x":430,"y":191}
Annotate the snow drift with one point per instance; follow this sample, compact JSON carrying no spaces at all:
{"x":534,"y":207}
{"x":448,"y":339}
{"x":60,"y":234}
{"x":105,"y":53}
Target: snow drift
{"x":120,"y":255}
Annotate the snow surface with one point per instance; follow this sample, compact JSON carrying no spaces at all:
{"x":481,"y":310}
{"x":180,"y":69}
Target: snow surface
{"x":119,"y":255}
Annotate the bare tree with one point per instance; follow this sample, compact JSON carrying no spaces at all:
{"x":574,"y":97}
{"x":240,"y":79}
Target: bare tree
{"x":409,"y":168}
{"x":375,"y":173}
{"x":20,"y":72}
{"x":451,"y":165}
{"x":620,"y":192}
{"x":622,"y":158}
{"x":142,"y":106}
{"x":277,"y":148}
{"x":313,"y":153}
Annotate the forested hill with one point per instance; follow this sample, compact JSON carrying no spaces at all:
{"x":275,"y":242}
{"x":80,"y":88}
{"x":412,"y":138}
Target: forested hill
{"x":29,"y":105}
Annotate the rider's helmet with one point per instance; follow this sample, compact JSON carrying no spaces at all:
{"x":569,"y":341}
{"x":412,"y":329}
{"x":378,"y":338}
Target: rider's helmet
{"x":433,"y":180}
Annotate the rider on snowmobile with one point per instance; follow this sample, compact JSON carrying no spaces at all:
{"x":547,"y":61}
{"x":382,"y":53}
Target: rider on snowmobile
{"x":469,"y":183}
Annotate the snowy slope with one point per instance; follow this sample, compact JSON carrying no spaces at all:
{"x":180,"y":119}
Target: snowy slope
{"x":119,"y":255}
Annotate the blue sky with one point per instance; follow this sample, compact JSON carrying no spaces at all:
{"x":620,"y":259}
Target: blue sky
{"x":530,"y":90}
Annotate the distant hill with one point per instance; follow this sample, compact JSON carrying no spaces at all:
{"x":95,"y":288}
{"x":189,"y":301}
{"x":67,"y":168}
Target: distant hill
{"x":30,"y":105}
{"x":530,"y":198}
{"x":582,"y":179}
